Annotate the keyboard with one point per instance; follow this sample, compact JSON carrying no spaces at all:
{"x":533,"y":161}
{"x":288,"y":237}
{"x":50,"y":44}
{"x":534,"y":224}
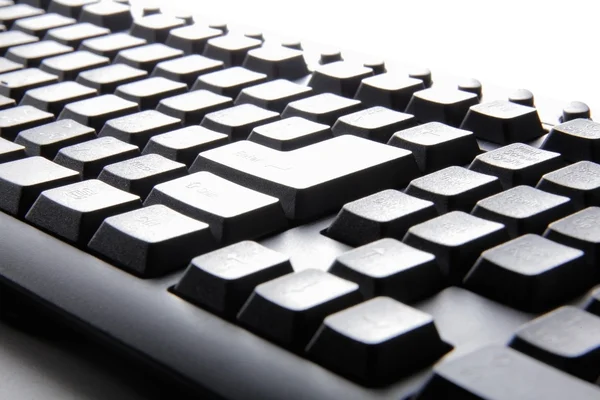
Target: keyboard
{"x":251,"y":218}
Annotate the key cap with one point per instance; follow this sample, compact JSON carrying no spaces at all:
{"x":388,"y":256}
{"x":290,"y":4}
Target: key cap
{"x":375,"y":123}
{"x":10,"y":151}
{"x":70,"y":8}
{"x":580,"y":182}
{"x":523,"y":97}
{"x":10,"y":14}
{"x":68,"y":66}
{"x":155,"y":28}
{"x":22,"y":181}
{"x":576,"y":140}
{"x":377,"y":342}
{"x":472,"y":86}
{"x":377,"y":65}
{"x":74,"y":212}
{"x":146,"y":57}
{"x":323,"y":108}
{"x":341,"y":78}
{"x":39,"y":25}
{"x":187,"y":69}
{"x":89,"y":158}
{"x":6,"y":102}
{"x":15,"y":84}
{"x":290,"y":134}
{"x":96,"y":111}
{"x":500,"y":373}
{"x":385,"y":214}
{"x":454,"y":188}
{"x":390,"y":268}
{"x":16,"y":119}
{"x":193,"y":106}
{"x":330,"y":56}
{"x":14,"y":38}
{"x":574,"y":110}
{"x":183,"y":145}
{"x":141,"y":241}
{"x":53,"y":98}
{"x":74,"y":35}
{"x":148,"y":92}
{"x":231,"y":49}
{"x":221,"y":281}
{"x":214,"y":200}
{"x":530,"y":273}
{"x":108,"y":14}
{"x":32,"y":55}
{"x":437,"y":146}
{"x":441,"y":105}
{"x":277,"y":62}
{"x":388,"y":90}
{"x":517,"y":164}
{"x":423,"y":74}
{"x":8,"y":66}
{"x":288,"y":310}
{"x":456,"y":239}
{"x":139,"y":127}
{"x":523,"y":209}
{"x":593,"y":302}
{"x":46,"y":140}
{"x":191,"y":39}
{"x":106,"y":79}
{"x":273,"y":95}
{"x":110,"y":45}
{"x":230,"y":81}
{"x":238,"y":122}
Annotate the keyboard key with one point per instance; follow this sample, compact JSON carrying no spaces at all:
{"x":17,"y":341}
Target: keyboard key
{"x":46,"y":140}
{"x":53,"y":98}
{"x":74,"y":35}
{"x":94,"y":112}
{"x":330,"y":56}
{"x":187,"y":69}
{"x":593,"y":302}
{"x":517,"y":164}
{"x":566,"y":339}
{"x":437,"y":146}
{"x":89,"y":158}
{"x":238,"y":122}
{"x":39,"y":25}
{"x":500,"y":373}
{"x":273,"y":95}
{"x":10,"y":14}
{"x":575,"y":110}
{"x":231,"y":49}
{"x":106,"y":79}
{"x":191,"y":39}
{"x":14,"y":38}
{"x":108,"y":14}
{"x":288,"y":310}
{"x":22,"y":181}
{"x":375,"y":123}
{"x":323,"y":108}
{"x":32,"y":55}
{"x":389,"y":213}
{"x":16,"y":119}
{"x":523,"y":97}
{"x":423,"y":74}
{"x":69,"y":8}
{"x":183,"y":145}
{"x":74,"y":212}
{"x":290,"y":134}
{"x":110,"y":45}
{"x":456,"y":239}
{"x":390,"y":268}
{"x":141,"y":241}
{"x":472,"y":86}
{"x":580,"y":182}
{"x":139,"y":127}
{"x":454,"y":188}
{"x":146,"y":57}
{"x":68,"y":66}
{"x":441,"y":105}
{"x":214,"y":200}
{"x":530,"y":273}
{"x":15,"y":84}
{"x":6,"y":102}
{"x":230,"y":81}
{"x":221,"y":281}
{"x":277,"y":62}
{"x":377,"y":342}
{"x":523,"y":209}
{"x":155,"y":28}
{"x":8,"y":66}
{"x":341,"y":78}
{"x":193,"y":106}
{"x":576,"y":140}
{"x":10,"y":151}
{"x":148,"y":92}
{"x":388,"y":90}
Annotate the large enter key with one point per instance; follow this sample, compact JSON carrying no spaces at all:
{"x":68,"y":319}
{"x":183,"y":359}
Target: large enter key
{"x":315,"y":179}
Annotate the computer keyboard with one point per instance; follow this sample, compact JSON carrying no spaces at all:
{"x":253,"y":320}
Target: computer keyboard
{"x":256,"y":220}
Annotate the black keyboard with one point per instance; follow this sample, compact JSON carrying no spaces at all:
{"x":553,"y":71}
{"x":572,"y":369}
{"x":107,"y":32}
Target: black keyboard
{"x":250,"y":219}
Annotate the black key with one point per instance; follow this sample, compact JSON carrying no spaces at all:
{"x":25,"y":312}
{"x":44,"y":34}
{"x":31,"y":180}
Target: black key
{"x":441,"y":105}
{"x":106,"y":79}
{"x":454,"y":188}
{"x":238,"y":122}
{"x":74,"y":35}
{"x":230,"y":81}
{"x":14,"y":38}
{"x":231,"y":49}
{"x":388,"y":90}
{"x":277,"y":62}
{"x":341,"y":78}
{"x":6,"y":102}
{"x":456,"y":239}
{"x":329,"y":56}
{"x":273,"y":95}
{"x":74,"y":212}
{"x":500,"y":373}
{"x":96,"y":111}
{"x":47,"y":140}
{"x":423,"y":74}
{"x":222,"y":281}
{"x":375,"y":123}
{"x":139,"y":127}
{"x":142,"y":241}
{"x":9,"y":14}
{"x":22,"y":181}
{"x":574,"y":110}
{"x":108,"y":14}
{"x":304,"y":179}
{"x":576,"y":140}
{"x":191,"y":107}
{"x":437,"y":146}
{"x":187,"y":69}
{"x":10,"y":151}
{"x":580,"y":182}
{"x":183,"y":145}
{"x":8,"y":66}
{"x":39,"y":25}
{"x":68,"y":66}
{"x":70,"y":8}
{"x":89,"y":158}
{"x":517,"y":164}
{"x":32,"y":55}
{"x":148,"y":92}
{"x":324,"y":108}
{"x":155,"y":28}
{"x":110,"y":45}
{"x":377,"y":342}
{"x":15,"y":84}
{"x":471,"y":85}
{"x":290,"y":134}
{"x":530,"y":273}
{"x":566,"y":338}
{"x":214,"y":200}
{"x":523,"y":97}
{"x":191,"y":39}
{"x":389,"y":213}
{"x":288,"y":310}
{"x":523,"y":209}
{"x":53,"y":98}
{"x":16,"y":119}
{"x":390,"y":268}
{"x":148,"y":56}
{"x":593,"y":302}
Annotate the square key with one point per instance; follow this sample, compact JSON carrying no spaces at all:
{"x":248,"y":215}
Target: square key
{"x":10,"y":151}
{"x":10,"y":39}
{"x":74,"y":35}
{"x":448,"y":106}
{"x":148,"y":92}
{"x":53,"y":98}
{"x":138,"y":128}
{"x":106,"y":79}
{"x":32,"y":55}
{"x":375,"y":123}
{"x":46,"y":140}
{"x":576,"y":140}
{"x":96,"y":111}
{"x":155,"y":27}
{"x":193,"y":106}
{"x":40,"y":24}
{"x":187,"y":69}
{"x":340,"y":77}
{"x":238,"y":122}
{"x":230,"y":81}
{"x":324,"y":108}
{"x":580,"y":182}
{"x":108,"y":14}
{"x":15,"y":84}
{"x":273,"y":95}
{"x":68,"y":66}
{"x":16,"y":119}
{"x":231,"y":49}
{"x":146,"y":57}
{"x":110,"y":45}
{"x":290,"y":134}
{"x":277,"y":62}
{"x":388,"y":90}
{"x":10,"y":14}
{"x":192,"y":38}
